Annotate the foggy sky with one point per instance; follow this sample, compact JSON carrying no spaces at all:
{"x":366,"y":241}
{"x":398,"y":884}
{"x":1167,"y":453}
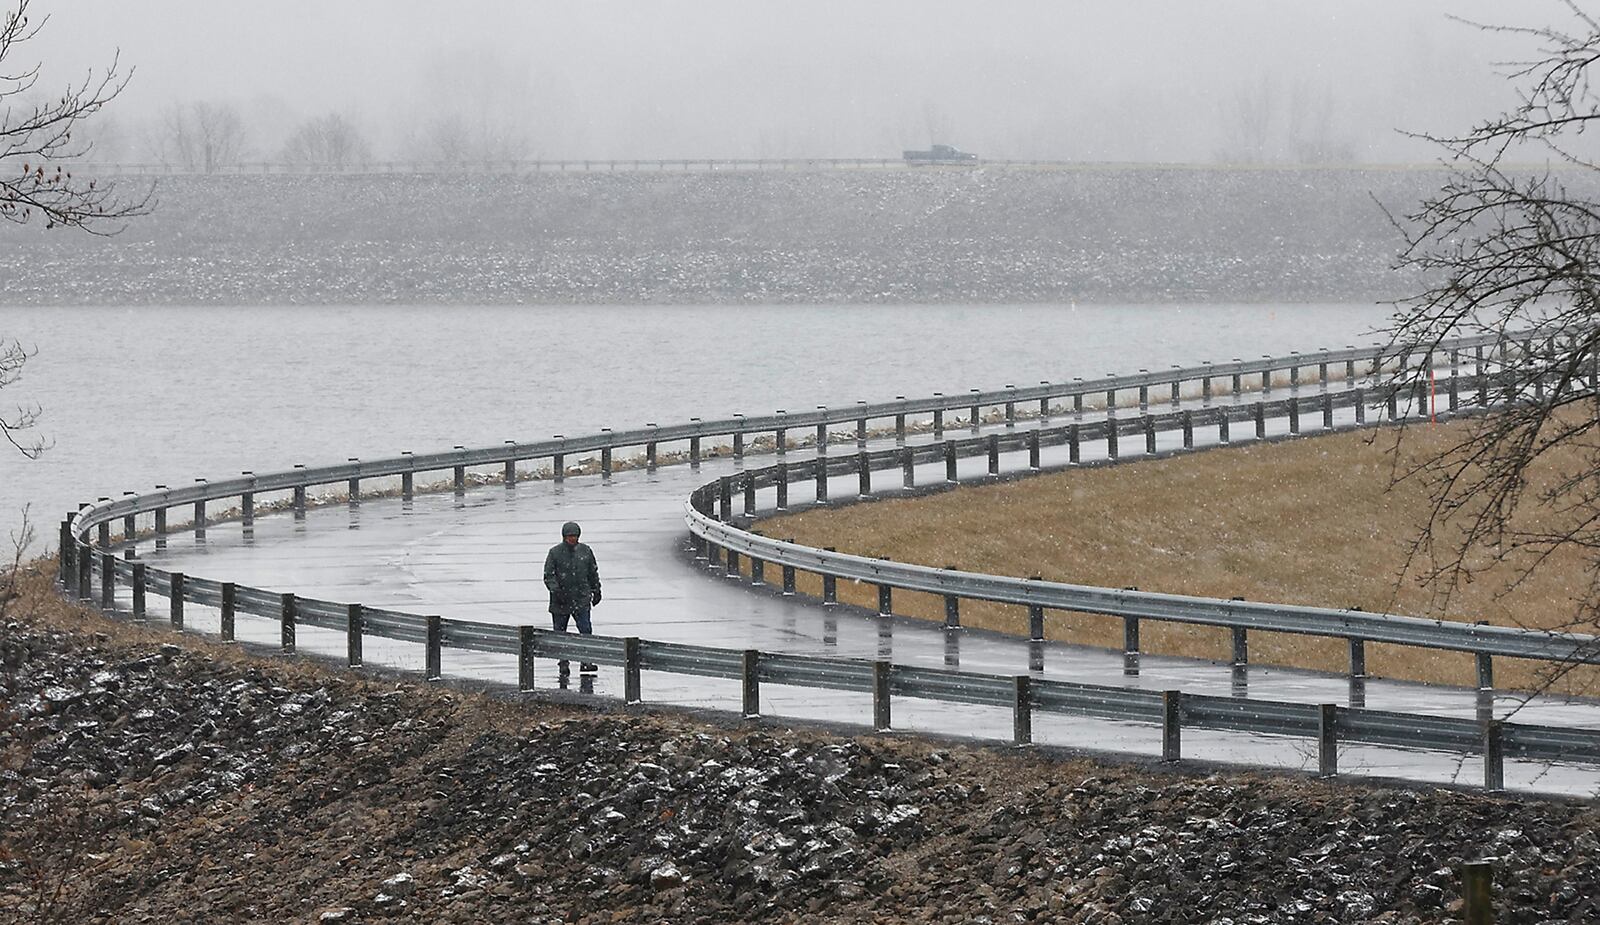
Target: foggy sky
{"x":1099,"y":81}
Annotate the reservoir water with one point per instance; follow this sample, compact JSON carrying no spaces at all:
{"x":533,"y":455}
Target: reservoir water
{"x":133,"y":397}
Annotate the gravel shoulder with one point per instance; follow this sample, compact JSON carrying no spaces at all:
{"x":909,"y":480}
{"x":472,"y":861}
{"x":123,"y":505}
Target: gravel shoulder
{"x":146,"y":777}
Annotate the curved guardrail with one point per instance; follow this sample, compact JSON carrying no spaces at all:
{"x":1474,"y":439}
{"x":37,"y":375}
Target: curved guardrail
{"x":709,"y":516}
{"x":88,"y":529}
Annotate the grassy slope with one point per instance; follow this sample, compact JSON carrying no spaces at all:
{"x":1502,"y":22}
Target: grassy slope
{"x":1311,"y":521}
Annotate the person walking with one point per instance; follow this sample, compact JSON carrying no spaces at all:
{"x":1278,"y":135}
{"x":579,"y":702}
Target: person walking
{"x":573,"y":580}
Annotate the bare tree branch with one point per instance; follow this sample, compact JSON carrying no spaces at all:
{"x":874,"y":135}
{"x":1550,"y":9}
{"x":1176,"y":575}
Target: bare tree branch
{"x":36,"y":139}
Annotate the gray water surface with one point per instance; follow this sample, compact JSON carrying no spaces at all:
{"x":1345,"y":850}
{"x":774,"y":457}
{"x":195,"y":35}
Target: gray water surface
{"x":134,"y":397}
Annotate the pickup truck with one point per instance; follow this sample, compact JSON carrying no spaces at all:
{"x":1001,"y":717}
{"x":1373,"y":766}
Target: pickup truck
{"x":940,"y":154}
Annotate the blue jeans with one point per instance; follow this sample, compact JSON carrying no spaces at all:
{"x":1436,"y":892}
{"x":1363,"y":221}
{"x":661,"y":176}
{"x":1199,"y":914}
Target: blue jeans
{"x":581,"y":614}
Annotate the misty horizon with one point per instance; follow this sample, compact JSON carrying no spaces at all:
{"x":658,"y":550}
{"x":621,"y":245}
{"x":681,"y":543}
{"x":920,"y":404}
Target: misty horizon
{"x":1245,"y":81}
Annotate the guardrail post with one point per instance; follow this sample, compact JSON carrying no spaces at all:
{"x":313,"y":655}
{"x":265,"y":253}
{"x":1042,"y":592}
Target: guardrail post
{"x":738,"y":439}
{"x":750,"y":676}
{"x":788,"y":580}
{"x":780,"y":440}
{"x":1177,"y":385}
{"x":1011,"y":407}
{"x":1261,"y":420}
{"x":1205,"y":388}
{"x":108,"y":581}
{"x":861,"y":428}
{"x":908,"y":468}
{"x":64,"y":559}
{"x":138,"y":592}
{"x":1485,"y":672}
{"x":354,"y":488}
{"x":1327,"y":740}
{"x":725,"y":498}
{"x":1171,"y":725}
{"x":938,"y":423}
{"x":227,"y":610}
{"x":1327,"y":410}
{"x":1494,"y":756}
{"x":1111,"y":438}
{"x":1394,"y":399}
{"x":1358,"y":658}
{"x":407,"y":479}
{"x":1073,"y":444}
{"x":1149,"y":435}
{"x":1241,"y":647}
{"x":1294,"y":414}
{"x":1361,"y":406}
{"x":1144,"y":393}
{"x":1266,"y":380}
{"x":994,"y":454}
{"x":950,"y":461}
{"x":830,"y":585}
{"x":104,"y":532}
{"x":1044,"y":403}
{"x":1035,"y":617}
{"x":199,"y":516}
{"x":129,"y":529}
{"x":1223,"y":423}
{"x":977,"y":413}
{"x":880,"y":695}
{"x":863,"y":475}
{"x":286,"y":618}
{"x":900,"y":424}
{"x":1077,"y":400}
{"x":758,"y":571}
{"x":1238,"y":381}
{"x":713,"y":555}
{"x":732,"y":569}
{"x":822,"y":480}
{"x":650,"y":455}
{"x":298,"y":504}
{"x":85,"y":560}
{"x":952,"y":609}
{"x":1294,"y":372}
{"x":459,"y":477}
{"x":354,"y":624}
{"x":783,"y":486}
{"x":749,"y":494}
{"x":1477,"y":893}
{"x":1130,"y":645}
{"x":1033,"y":450}
{"x":1188,"y":430}
{"x":1111,"y":401}
{"x":1022,"y":711}
{"x":630,"y":670}
{"x":175,"y":599}
{"x":525,"y":651}
{"x":1322,"y":371}
{"x":247,"y":505}
{"x":433,"y":667}
{"x":822,"y":432}
{"x":885,"y":600}
{"x":509,"y":476}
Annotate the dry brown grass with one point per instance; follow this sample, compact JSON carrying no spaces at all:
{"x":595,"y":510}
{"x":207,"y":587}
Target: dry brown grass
{"x":1309,"y":521}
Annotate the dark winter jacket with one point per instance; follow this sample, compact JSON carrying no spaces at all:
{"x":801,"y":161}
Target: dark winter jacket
{"x":572,"y":577}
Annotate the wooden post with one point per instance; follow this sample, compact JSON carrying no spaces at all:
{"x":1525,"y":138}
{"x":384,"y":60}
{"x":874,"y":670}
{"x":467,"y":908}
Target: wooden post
{"x":108,"y":581}
{"x":354,"y":623}
{"x":1171,"y":725}
{"x":880,"y":695}
{"x":433,"y":665}
{"x":750,"y":677}
{"x":286,"y":611}
{"x":230,"y":593}
{"x":630,"y":670}
{"x":525,"y":653}
{"x":138,"y":592}
{"x":175,"y":599}
{"x":1327,"y":740}
{"x":1022,"y":711}
{"x":1477,"y":893}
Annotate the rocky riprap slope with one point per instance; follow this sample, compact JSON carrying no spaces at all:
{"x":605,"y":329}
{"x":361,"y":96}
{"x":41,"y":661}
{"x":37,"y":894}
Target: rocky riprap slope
{"x":143,"y":782}
{"x":986,"y":235}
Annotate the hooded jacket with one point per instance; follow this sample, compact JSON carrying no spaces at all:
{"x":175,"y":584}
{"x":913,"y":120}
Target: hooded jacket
{"x":571,"y":576}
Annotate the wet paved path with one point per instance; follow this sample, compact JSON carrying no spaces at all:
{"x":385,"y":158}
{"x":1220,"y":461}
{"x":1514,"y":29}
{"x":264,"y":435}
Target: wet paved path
{"x":477,"y":556}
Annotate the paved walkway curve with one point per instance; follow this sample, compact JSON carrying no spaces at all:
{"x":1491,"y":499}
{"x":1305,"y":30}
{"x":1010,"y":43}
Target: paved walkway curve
{"x":477,"y":555}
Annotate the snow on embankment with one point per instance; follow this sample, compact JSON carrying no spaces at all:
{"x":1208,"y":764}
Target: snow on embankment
{"x":911,"y":236}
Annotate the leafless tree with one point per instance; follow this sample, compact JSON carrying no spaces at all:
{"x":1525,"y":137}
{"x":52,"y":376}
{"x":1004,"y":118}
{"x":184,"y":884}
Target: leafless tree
{"x":200,"y":137}
{"x":331,"y":141}
{"x":1505,"y":248}
{"x":1248,"y":117}
{"x":11,"y":570}
{"x":37,"y":138}
{"x":15,"y":426}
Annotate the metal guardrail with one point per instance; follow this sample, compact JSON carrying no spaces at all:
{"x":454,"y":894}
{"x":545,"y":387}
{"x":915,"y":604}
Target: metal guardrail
{"x":80,"y":564}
